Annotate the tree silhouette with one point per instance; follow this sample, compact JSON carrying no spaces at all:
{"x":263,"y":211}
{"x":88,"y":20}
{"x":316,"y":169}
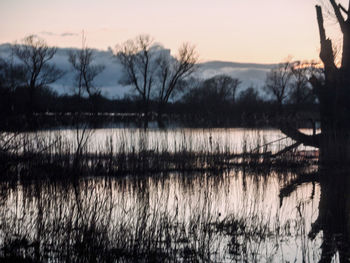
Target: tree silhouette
{"x":333,"y":93}
{"x":301,"y":89}
{"x":138,"y":57}
{"x":333,"y":210}
{"x":172,"y":71}
{"x":35,"y":55}
{"x":278,"y":82}
{"x":153,"y":72}
{"x":82,"y":62}
{"x":86,"y":71}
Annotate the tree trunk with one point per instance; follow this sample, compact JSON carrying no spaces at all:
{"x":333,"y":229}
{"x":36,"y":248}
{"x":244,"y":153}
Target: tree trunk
{"x":334,"y":101}
{"x":335,"y":139}
{"x":334,"y":98}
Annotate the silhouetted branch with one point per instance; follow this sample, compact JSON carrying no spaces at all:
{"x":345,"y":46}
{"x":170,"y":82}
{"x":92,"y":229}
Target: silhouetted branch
{"x":278,"y":82}
{"x":295,"y":134}
{"x":315,"y":228}
{"x":137,"y":56}
{"x":343,"y":9}
{"x":35,"y":54}
{"x":287,"y":149}
{"x":338,"y":14}
{"x":326,"y":53}
{"x":82,"y":62}
{"x":294,"y":184}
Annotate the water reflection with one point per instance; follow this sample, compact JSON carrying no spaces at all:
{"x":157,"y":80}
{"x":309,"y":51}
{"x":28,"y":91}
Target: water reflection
{"x":231,"y":216}
{"x":125,"y":140}
{"x":334,"y":216}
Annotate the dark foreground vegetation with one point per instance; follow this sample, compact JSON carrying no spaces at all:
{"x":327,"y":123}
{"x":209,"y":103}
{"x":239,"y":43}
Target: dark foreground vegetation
{"x":133,"y":219}
{"x":61,"y":202}
{"x":29,"y":153}
{"x":192,"y":216}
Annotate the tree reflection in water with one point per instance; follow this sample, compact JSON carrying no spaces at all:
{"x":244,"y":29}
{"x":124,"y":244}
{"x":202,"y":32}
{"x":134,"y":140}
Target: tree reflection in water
{"x":333,"y":221}
{"x":334,"y":215}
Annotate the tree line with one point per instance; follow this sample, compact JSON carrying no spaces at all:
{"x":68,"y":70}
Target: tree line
{"x":164,"y":85}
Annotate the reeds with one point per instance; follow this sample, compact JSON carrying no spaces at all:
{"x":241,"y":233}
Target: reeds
{"x":147,"y":196}
{"x":174,"y":218}
{"x":138,"y":152}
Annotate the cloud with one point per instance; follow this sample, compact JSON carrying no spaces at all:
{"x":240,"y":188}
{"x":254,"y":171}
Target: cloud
{"x":69,"y":34}
{"x":65,"y":34}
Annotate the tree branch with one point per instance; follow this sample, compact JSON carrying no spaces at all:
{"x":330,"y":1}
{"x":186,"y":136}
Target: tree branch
{"x":287,"y":149}
{"x":343,"y":9}
{"x":326,"y":53}
{"x":287,"y":190}
{"x":338,"y":14}
{"x":315,"y":228}
{"x":295,"y":134}
{"x":320,"y":23}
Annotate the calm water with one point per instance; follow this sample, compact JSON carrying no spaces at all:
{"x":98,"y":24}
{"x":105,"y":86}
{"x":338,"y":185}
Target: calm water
{"x":171,"y":140}
{"x":239,"y":216}
{"x":263,"y":228}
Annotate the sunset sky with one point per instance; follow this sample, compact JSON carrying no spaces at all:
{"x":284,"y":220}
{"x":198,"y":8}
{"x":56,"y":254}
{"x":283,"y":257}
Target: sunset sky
{"x":261,"y":31}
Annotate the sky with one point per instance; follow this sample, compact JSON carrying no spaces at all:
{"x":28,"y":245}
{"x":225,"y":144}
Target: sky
{"x":259,"y":31}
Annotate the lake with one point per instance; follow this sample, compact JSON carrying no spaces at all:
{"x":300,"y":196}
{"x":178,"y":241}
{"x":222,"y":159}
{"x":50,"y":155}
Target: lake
{"x":234,"y":215}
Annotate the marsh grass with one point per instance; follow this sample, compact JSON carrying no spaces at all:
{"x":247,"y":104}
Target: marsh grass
{"x":147,"y":199}
{"x":172,"y":218}
{"x":56,"y":154}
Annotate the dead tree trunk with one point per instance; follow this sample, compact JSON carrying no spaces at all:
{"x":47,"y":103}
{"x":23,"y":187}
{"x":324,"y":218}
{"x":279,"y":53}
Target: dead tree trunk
{"x":334,"y":97}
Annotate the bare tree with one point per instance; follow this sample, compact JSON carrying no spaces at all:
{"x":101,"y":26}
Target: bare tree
{"x":222,"y":87}
{"x":35,"y":55}
{"x":333,"y":94}
{"x":82,"y":62}
{"x":138,"y":56}
{"x":172,"y":71}
{"x":278,"y":82}
{"x":86,"y":71}
{"x":301,"y":89}
{"x":332,"y":89}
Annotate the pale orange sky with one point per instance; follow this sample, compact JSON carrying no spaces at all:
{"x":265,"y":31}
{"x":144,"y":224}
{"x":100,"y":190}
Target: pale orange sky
{"x":261,"y":31}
